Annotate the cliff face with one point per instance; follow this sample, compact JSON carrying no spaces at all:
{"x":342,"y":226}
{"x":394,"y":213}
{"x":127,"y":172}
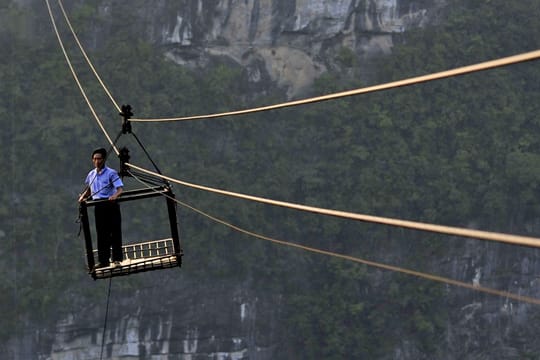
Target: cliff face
{"x":288,"y":42}
{"x":178,"y":318}
{"x":186,"y":321}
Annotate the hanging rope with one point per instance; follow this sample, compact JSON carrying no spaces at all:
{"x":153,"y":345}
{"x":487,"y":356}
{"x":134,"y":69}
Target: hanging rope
{"x":146,"y":153}
{"x":105,"y":321}
{"x":418,"y":274}
{"x":81,"y":89}
{"x":448,"y":230}
{"x":86,"y":56}
{"x":533,"y":55}
{"x":510,"y":60}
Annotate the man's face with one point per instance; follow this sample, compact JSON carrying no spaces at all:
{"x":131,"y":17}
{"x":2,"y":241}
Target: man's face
{"x":98,"y":161}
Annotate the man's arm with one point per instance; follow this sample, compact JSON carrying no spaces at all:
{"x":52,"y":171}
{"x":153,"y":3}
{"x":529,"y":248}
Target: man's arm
{"x":117,"y":193}
{"x":84,"y":194}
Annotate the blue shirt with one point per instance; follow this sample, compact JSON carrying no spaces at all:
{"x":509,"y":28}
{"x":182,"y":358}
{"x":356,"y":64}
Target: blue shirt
{"x":103,"y":185}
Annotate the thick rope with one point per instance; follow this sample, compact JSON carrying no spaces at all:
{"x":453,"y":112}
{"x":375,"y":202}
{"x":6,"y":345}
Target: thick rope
{"x":418,"y":274}
{"x":533,"y":55}
{"x":86,"y":56}
{"x":448,"y":230}
{"x":68,"y":60}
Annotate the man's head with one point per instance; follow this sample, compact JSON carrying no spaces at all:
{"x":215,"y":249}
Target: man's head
{"x":98,"y":157}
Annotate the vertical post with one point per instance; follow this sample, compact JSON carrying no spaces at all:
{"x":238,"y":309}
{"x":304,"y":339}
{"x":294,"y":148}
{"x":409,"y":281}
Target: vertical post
{"x":174,"y":226}
{"x":87,"y":236}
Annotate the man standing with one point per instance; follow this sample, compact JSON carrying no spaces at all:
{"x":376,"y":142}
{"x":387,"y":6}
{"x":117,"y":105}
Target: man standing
{"x":103,"y":182}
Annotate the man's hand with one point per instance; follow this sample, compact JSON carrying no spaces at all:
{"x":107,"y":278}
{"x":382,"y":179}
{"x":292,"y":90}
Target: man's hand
{"x":116,"y":194}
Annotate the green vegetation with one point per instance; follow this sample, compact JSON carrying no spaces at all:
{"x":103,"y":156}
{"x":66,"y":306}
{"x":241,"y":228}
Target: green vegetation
{"x":452,"y":152}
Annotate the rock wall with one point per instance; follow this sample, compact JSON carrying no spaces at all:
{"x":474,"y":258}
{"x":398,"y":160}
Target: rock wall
{"x":289,"y":42}
{"x":184,"y":321}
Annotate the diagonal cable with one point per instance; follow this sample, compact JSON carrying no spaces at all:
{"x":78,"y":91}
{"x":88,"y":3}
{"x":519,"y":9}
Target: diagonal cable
{"x":86,"y":56}
{"x":78,"y":82}
{"x":533,"y":55}
{"x":393,"y":268}
{"x":441,"y":229}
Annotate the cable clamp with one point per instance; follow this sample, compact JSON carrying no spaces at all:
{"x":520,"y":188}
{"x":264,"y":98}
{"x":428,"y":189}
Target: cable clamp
{"x":124,"y":158}
{"x":126,"y":114}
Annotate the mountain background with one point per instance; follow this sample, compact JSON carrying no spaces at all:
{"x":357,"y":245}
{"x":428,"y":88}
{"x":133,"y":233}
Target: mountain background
{"x":462,"y":151}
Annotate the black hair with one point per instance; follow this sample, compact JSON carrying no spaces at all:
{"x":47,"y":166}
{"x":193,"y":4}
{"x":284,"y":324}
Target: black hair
{"x":100,"y":151}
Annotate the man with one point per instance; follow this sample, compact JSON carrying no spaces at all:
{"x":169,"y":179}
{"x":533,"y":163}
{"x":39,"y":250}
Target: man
{"x":103,"y":182}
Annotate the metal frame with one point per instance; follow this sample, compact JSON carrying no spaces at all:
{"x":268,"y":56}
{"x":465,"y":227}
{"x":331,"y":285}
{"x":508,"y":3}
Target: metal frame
{"x":153,"y":263}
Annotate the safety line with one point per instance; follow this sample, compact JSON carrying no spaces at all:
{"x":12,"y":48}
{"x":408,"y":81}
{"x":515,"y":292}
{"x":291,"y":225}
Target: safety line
{"x":86,"y":56}
{"x":533,"y":55}
{"x":448,"y":230}
{"x":105,"y":321}
{"x":77,"y":80}
{"x":393,"y":268}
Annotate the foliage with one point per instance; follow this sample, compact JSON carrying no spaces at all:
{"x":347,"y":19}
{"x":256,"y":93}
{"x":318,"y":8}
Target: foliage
{"x":449,"y":152}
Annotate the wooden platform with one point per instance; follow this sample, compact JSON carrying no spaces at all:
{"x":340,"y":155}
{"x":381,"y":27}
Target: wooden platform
{"x":146,"y":256}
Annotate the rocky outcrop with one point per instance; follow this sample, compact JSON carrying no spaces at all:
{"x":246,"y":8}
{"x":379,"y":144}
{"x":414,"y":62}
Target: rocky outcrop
{"x":288,"y":42}
{"x":188,"y":321}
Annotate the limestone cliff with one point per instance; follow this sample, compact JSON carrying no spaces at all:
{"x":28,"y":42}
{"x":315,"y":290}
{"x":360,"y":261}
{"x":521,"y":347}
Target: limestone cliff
{"x":220,"y":320}
{"x":288,"y":42}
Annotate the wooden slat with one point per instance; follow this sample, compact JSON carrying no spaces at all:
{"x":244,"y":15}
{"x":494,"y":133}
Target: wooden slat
{"x":135,"y":266}
{"x":139,"y":257}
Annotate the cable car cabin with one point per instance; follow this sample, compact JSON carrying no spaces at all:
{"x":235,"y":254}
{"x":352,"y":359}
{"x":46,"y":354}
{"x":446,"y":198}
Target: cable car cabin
{"x":139,"y":257}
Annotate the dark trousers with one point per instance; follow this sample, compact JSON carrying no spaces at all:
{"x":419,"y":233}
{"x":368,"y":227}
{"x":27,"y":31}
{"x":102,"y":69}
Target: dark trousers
{"x":109,"y":231}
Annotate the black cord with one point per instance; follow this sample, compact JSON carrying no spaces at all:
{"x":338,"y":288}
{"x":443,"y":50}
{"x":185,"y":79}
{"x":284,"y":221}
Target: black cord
{"x":148,"y":179}
{"x":146,"y":152}
{"x":105,"y":322}
{"x":114,"y":143}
